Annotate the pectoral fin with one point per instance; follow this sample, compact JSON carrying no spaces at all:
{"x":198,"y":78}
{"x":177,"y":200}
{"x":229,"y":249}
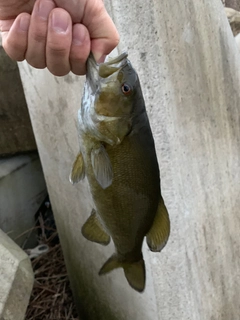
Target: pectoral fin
{"x":78,"y":171}
{"x":134,"y":271}
{"x":158,"y":235}
{"x":102,"y":167}
{"x":92,"y":230}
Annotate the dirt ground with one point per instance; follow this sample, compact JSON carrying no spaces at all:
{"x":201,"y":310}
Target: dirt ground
{"x":51,"y":296}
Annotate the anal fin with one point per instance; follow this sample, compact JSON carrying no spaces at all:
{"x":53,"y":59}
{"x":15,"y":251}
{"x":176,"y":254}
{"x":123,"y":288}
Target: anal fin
{"x":78,"y":171}
{"x":158,"y":235}
{"x":92,"y":230}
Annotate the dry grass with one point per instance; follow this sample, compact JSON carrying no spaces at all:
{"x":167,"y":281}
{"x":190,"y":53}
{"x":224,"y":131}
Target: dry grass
{"x":51,"y":296}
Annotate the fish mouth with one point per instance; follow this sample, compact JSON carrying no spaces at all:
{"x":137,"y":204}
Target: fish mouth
{"x":119,"y":61}
{"x":95,"y":71}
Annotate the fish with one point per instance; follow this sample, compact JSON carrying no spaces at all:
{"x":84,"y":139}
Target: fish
{"x":118,"y":157}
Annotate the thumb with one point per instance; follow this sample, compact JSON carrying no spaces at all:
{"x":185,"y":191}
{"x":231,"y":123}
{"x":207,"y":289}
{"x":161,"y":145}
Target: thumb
{"x":103,"y":32}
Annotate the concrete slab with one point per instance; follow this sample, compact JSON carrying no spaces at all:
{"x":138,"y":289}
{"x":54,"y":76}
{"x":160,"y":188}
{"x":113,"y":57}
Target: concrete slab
{"x":22,"y":190}
{"x":16,"y":279}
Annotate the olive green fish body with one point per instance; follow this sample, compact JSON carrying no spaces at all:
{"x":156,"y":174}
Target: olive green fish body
{"x":128,"y":206}
{"x":118,"y":157}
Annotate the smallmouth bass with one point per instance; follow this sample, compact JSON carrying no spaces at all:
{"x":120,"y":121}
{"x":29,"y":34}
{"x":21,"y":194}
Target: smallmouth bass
{"x":118,"y":157}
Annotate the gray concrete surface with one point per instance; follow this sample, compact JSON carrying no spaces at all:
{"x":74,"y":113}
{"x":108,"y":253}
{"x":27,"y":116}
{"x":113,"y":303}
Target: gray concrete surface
{"x":235,"y":4}
{"x":22,"y":190}
{"x":189,"y":68}
{"x":16,"y":280}
{"x":16,"y":134}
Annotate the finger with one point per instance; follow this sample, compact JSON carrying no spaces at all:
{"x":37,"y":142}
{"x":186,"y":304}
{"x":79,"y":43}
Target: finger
{"x":103,"y":33}
{"x":15,"y":40}
{"x":5,"y":25}
{"x":92,"y":13}
{"x":74,"y":8}
{"x":80,"y":49}
{"x":37,"y":34}
{"x":59,"y":40}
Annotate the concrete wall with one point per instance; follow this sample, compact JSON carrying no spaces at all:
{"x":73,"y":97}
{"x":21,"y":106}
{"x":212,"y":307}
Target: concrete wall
{"x":16,"y":276}
{"x":189,"y":67}
{"x":16,"y":134}
{"x":22,"y":190}
{"x":235,"y":4}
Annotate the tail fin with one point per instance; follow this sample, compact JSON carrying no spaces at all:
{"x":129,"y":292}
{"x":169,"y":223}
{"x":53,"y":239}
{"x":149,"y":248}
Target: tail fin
{"x":134,"y":271}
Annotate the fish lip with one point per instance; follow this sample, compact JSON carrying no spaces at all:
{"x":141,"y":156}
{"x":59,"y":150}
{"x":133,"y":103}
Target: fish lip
{"x":120,"y":60}
{"x":92,"y":76}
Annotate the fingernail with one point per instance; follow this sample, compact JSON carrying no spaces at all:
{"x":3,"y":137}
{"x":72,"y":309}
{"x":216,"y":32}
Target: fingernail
{"x":99,"y":57}
{"x":78,"y":37}
{"x":24,"y":23}
{"x":60,"y":21}
{"x":44,"y":9}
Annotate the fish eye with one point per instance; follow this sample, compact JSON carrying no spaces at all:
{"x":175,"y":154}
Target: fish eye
{"x":126,"y":89}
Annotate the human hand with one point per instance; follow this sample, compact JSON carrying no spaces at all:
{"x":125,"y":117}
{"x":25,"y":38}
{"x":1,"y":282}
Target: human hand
{"x":56,"y":34}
